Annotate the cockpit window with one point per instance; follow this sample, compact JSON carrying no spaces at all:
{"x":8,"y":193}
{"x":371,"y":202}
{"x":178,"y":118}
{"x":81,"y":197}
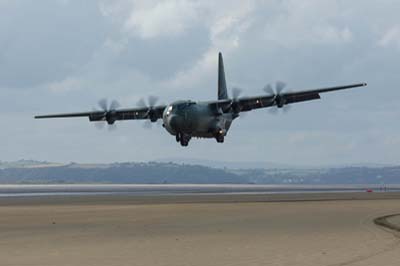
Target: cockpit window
{"x":181,"y":106}
{"x":169,"y":110}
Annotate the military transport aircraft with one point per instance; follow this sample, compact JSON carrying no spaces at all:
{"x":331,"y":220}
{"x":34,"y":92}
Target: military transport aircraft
{"x":211,"y":119}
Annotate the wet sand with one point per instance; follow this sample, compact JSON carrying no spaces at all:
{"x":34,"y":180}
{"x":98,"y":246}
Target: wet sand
{"x":395,"y":220}
{"x":293,"y":229}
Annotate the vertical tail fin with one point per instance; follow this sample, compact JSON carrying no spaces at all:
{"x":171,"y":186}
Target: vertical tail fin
{"x":222,"y":91}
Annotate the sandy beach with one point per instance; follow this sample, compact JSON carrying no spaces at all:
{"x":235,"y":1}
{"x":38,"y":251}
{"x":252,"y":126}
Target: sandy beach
{"x":260,"y":230}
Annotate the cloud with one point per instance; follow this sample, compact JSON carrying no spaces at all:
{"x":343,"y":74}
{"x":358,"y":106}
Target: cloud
{"x":42,"y":43}
{"x":391,"y":37}
{"x":58,"y":56}
{"x":307,"y":23}
{"x":67,"y":84}
{"x":225,"y":23}
{"x":225,"y":30}
{"x":161,"y":18}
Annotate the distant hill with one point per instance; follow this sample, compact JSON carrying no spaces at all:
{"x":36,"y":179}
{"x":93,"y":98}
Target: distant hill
{"x":227,"y":164}
{"x":138,"y":173}
{"x":341,"y":175}
{"x":33,"y":172}
{"x":25,"y":164}
{"x":261,"y":164}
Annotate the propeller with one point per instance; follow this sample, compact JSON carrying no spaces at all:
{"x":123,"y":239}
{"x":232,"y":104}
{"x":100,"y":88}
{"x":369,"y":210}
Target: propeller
{"x":236,"y":92}
{"x":277,"y":99}
{"x":149,"y":104}
{"x":109,"y":114}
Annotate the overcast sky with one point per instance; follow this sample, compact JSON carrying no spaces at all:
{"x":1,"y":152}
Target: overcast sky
{"x":65,"y":55}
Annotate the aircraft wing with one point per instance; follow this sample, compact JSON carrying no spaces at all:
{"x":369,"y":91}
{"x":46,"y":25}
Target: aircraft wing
{"x":244,"y":104}
{"x":152,"y":113}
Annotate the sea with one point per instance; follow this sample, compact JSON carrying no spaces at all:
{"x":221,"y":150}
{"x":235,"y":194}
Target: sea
{"x":181,"y":189}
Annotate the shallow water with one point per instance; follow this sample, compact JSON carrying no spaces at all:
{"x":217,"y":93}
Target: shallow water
{"x":178,"y":189}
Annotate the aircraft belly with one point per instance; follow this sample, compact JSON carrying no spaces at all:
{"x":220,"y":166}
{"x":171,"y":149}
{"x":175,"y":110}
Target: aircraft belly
{"x":203,"y":127}
{"x":207,"y":126}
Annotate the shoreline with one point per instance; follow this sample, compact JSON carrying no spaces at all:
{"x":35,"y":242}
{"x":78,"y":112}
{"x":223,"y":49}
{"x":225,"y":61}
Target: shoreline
{"x":134,"y":199}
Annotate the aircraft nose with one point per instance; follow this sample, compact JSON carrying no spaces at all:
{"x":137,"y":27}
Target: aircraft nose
{"x":175,"y":122}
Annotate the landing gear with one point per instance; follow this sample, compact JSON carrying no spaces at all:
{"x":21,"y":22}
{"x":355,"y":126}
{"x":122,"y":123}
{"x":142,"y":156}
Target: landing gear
{"x":220,"y":138}
{"x":184,"y":142}
{"x":183,"y":139}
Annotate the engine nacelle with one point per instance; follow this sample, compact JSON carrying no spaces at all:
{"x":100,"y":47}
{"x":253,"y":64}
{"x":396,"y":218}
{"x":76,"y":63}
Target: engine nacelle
{"x":110,"y":117}
{"x":152,"y":116}
{"x":280,"y":101}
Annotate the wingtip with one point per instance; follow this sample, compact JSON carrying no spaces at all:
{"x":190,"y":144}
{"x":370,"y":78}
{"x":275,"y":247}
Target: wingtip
{"x":365,"y":84}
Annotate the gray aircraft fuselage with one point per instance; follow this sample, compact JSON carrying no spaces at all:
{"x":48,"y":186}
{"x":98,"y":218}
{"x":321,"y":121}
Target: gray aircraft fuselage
{"x":196,"y":119}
